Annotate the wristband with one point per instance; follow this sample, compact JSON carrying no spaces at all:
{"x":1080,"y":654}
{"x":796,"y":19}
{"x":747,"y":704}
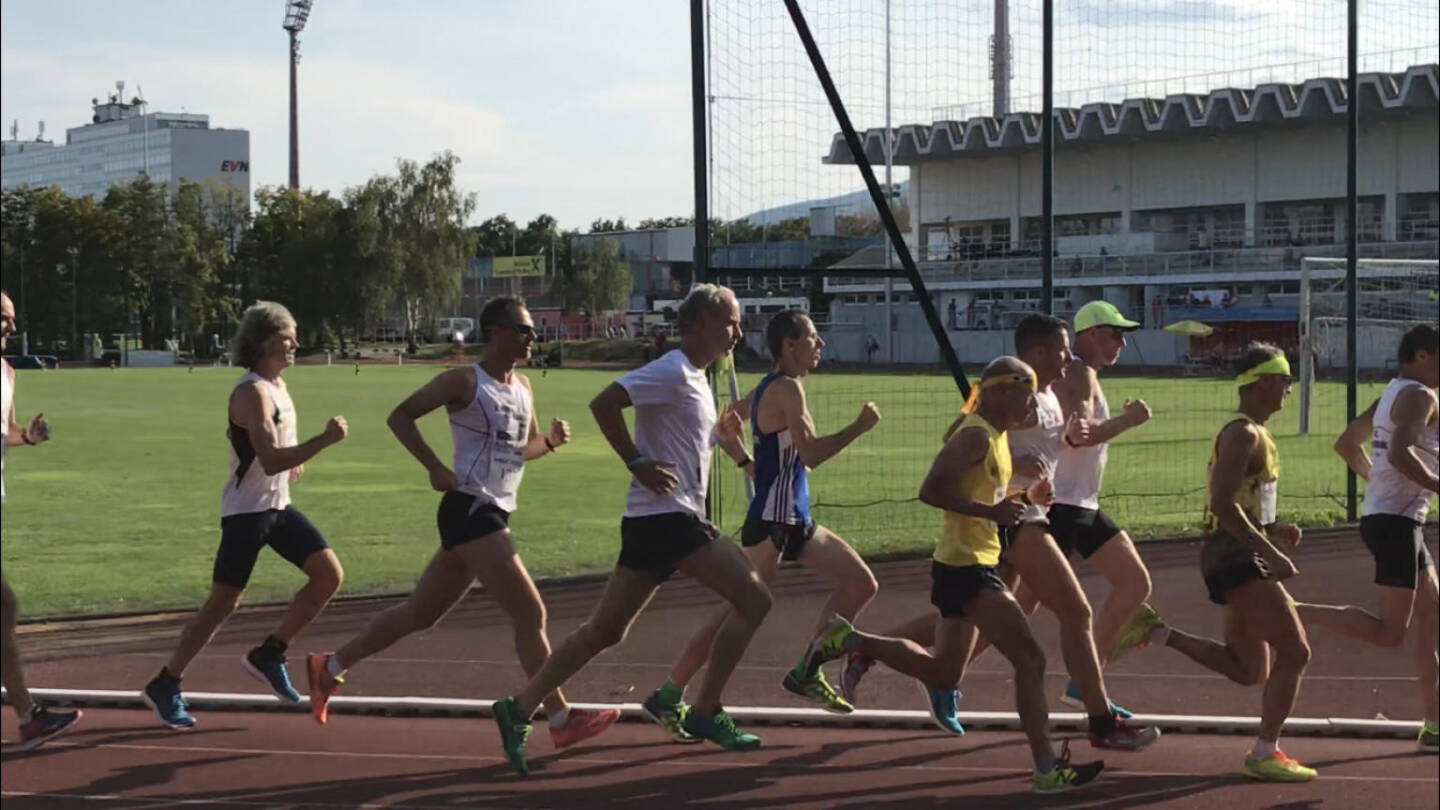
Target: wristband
{"x":746,"y":463}
{"x":548,"y":445}
{"x":1025,"y":498}
{"x":635,"y":462}
{"x":25,"y":437}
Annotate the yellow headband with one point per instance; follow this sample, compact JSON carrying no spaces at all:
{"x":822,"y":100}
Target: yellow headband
{"x":998,"y":379}
{"x":1275,"y":365}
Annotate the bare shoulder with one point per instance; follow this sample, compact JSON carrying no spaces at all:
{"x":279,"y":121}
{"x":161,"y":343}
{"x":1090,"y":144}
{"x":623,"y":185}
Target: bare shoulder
{"x":524,"y":380}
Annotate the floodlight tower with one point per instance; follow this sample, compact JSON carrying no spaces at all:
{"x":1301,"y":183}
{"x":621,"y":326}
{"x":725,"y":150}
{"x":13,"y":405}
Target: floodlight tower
{"x":296,"y":13}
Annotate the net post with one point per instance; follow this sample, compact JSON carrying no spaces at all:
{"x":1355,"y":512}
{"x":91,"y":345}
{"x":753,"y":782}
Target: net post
{"x":698,"y":118}
{"x":1352,"y":224}
{"x":1307,"y":348}
{"x":1047,"y":160}
{"x":882,"y":204}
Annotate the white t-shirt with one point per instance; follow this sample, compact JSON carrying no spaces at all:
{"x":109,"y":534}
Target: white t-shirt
{"x":1388,"y":491}
{"x":1079,"y":470}
{"x":1042,"y":441}
{"x":7,"y":399}
{"x":674,"y":423}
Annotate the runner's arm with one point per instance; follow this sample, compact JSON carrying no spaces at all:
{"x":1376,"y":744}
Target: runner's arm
{"x":814,"y":450}
{"x":1351,"y":443}
{"x":1412,"y":409}
{"x":538,"y":444}
{"x":1077,"y":396}
{"x":608,"y":408}
{"x":1236,"y":445}
{"x":454,"y":386}
{"x":250,"y":408}
{"x":940,"y":488}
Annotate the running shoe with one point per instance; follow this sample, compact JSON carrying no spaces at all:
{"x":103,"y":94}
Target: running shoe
{"x":1125,"y":738}
{"x":1276,"y":768}
{"x":164,"y":697}
{"x":45,"y":725}
{"x":1065,"y":776}
{"x":944,"y":705}
{"x":817,"y":689}
{"x":1136,"y":632}
{"x":269,"y":669}
{"x":582,"y":724}
{"x":669,"y":717}
{"x":514,"y":731}
{"x":830,"y":644}
{"x":720,"y":730}
{"x":1429,"y":739}
{"x":1071,"y":697}
{"x":856,"y":665}
{"x":323,"y":685}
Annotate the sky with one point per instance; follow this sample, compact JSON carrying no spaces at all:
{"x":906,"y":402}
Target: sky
{"x":576,"y":109}
{"x":582,"y":109}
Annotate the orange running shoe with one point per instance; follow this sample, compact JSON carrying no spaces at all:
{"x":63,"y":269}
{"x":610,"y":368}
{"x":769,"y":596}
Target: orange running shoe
{"x":582,"y":724}
{"x":323,"y":685}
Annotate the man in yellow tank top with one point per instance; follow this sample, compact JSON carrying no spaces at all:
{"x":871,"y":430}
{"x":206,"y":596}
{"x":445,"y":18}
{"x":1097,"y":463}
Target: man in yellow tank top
{"x":970,"y":480}
{"x":1243,"y":564}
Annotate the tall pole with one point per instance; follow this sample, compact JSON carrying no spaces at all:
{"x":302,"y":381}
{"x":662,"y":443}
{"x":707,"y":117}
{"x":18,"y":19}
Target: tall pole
{"x":1000,"y":58}
{"x":294,"y":112}
{"x":1352,"y":224}
{"x":1047,"y":160}
{"x":698,"y":102}
{"x":889,"y":160}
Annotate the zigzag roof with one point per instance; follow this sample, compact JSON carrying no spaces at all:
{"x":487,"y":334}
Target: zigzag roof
{"x":1417,"y":90}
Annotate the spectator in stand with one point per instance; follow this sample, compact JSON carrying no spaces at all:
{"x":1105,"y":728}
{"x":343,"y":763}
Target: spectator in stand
{"x":950,"y":310}
{"x":1157,"y":311}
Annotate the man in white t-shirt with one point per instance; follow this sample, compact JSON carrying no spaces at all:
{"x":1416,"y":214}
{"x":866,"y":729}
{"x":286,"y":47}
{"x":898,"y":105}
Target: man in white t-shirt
{"x":664,"y":527}
{"x":38,"y":723}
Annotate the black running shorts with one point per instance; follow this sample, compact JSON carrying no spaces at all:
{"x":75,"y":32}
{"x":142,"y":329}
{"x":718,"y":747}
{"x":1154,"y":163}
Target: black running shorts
{"x":953,"y":587}
{"x":1226,"y":564}
{"x":1398,"y":545}
{"x":789,"y":538}
{"x":654,"y":543}
{"x":289,"y":532}
{"x":1076,"y":528}
{"x":462,"y":517}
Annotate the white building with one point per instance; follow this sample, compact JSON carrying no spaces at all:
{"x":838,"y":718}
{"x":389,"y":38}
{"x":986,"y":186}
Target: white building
{"x":124,"y":140}
{"x":1154,"y":200}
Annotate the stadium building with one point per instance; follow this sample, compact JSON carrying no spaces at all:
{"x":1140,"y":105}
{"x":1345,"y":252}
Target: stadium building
{"x":124,"y":140}
{"x":1194,"y":206}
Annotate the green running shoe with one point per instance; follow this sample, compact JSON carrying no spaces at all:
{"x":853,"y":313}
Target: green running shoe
{"x":1136,"y":632}
{"x":817,"y":689}
{"x":720,"y":730}
{"x":513,"y":733}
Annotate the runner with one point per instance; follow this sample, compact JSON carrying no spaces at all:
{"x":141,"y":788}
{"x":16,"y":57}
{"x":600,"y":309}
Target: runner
{"x":495,"y":432}
{"x":37,"y":722}
{"x":1243,"y":567}
{"x":255,"y":511}
{"x":970,"y":482}
{"x":1401,"y":476}
{"x":778,"y":525}
{"x":664,"y":528}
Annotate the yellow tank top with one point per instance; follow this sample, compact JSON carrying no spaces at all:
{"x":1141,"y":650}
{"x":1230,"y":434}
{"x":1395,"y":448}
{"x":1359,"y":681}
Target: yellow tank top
{"x":968,"y":540}
{"x":1256,"y":495}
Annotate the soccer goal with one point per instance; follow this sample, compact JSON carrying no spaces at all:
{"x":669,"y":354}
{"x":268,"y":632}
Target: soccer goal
{"x":1394,"y":295}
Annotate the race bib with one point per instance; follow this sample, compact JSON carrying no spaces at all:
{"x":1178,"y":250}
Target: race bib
{"x":1267,"y":503}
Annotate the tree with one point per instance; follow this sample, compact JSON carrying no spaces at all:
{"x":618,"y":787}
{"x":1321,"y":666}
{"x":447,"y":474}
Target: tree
{"x":665,"y":222}
{"x":599,"y":281}
{"x":430,"y":225}
{"x":608,"y":225}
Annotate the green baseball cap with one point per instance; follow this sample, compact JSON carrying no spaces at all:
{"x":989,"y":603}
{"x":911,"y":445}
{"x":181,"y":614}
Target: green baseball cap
{"x":1102,"y":313}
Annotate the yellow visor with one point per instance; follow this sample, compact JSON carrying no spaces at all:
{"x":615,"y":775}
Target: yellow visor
{"x":1275,"y":365}
{"x":991,"y":382}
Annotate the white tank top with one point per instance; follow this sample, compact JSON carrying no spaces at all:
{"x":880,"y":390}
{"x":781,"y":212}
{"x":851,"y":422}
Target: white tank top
{"x":7,"y":399}
{"x":1042,"y":441}
{"x":1389,"y":492}
{"x":249,"y":489}
{"x":489,"y":437}
{"x":1080,"y":470}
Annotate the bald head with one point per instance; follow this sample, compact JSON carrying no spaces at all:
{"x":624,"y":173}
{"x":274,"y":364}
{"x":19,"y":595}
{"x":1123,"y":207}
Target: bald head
{"x":1005,"y":364}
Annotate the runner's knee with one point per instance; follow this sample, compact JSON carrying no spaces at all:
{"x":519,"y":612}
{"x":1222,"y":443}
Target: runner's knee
{"x":1293,"y":651}
{"x":1029,"y":659}
{"x":327,"y":578}
{"x":1392,"y":634}
{"x":754,"y":605}
{"x":598,"y":636}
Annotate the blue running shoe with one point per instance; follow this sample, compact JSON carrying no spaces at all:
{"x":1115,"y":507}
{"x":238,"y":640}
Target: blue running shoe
{"x":944,"y":708}
{"x":1071,"y":697}
{"x":269,"y":669}
{"x":164,"y":697}
{"x":45,"y":725}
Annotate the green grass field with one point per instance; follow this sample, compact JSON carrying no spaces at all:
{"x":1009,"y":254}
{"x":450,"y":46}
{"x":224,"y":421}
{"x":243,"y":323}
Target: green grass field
{"x":119,"y":512}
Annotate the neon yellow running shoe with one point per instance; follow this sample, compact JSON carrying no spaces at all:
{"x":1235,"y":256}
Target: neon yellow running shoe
{"x":1429,"y":739}
{"x":1136,"y":632}
{"x":1276,"y":768}
{"x":817,"y":689}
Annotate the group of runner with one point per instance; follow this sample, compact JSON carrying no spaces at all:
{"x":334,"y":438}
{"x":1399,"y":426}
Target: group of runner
{"x":1017,"y":478}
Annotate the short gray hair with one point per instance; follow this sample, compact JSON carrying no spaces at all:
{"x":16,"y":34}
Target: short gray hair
{"x":260,"y":322}
{"x":703,"y":298}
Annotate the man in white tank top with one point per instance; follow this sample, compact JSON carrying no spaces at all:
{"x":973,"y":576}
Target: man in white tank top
{"x":1400,"y":474}
{"x":265,"y":459}
{"x":1076,"y":519}
{"x":664,"y":528}
{"x":38,"y":723}
{"x":495,"y":432}
{"x":1030,"y":551}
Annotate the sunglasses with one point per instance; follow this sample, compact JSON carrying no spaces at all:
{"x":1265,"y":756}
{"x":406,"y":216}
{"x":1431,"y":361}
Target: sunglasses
{"x":521,"y":329}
